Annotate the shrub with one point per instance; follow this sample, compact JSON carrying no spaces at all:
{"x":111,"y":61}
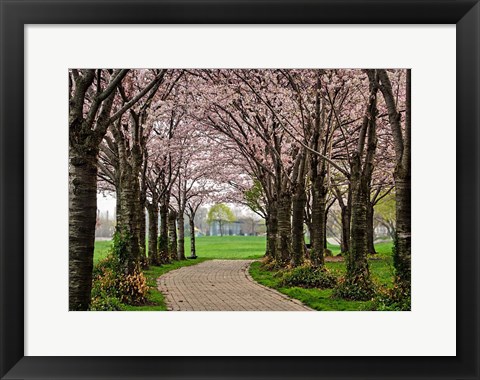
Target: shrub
{"x":393,"y":299}
{"x":270,"y":264}
{"x":133,"y":288}
{"x":354,"y":290}
{"x":105,"y":303}
{"x":105,"y":278}
{"x":307,"y":276}
{"x":111,"y":287}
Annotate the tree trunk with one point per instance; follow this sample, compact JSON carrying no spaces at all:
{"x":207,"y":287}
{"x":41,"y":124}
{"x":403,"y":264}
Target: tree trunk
{"x":82,"y":220}
{"x":284,"y":236}
{"x":181,"y":237}
{"x":153,"y":232}
{"x":346,"y":212}
{"x":118,"y":206}
{"x":128,"y":223}
{"x":325,"y":229}
{"x":298,"y":235}
{"x":357,"y":280}
{"x":172,"y":234}
{"x":402,"y":254}
{"x":402,"y":178}
{"x":345,"y":216}
{"x":142,"y":229}
{"x":163,"y":254}
{"x":317,"y":237}
{"x":358,"y":274}
{"x":193,"y":252}
{"x":271,"y":223}
{"x":370,"y":229}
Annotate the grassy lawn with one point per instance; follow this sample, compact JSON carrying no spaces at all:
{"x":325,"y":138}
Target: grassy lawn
{"x":232,"y":247}
{"x":211,"y":247}
{"x":381,"y":268}
{"x":102,"y":249}
{"x":228,"y":247}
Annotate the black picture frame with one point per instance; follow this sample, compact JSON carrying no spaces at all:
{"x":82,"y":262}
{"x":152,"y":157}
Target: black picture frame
{"x":16,"y":14}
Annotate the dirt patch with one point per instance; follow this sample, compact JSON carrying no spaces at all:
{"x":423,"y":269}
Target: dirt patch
{"x":334,"y":259}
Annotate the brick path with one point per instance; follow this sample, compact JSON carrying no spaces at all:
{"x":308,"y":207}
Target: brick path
{"x":221,"y":285}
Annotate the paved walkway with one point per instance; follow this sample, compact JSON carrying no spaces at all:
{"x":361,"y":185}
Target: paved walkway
{"x":221,"y":285}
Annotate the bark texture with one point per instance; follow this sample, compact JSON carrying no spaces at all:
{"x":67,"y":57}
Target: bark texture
{"x":128,"y":223}
{"x":193,"y":250}
{"x":163,"y":253}
{"x":82,"y":219}
{"x":181,"y":237}
{"x":318,"y":223}
{"x":272,"y":229}
{"x":284,"y":235}
{"x":85,"y":134}
{"x":345,"y":215}
{"x":153,"y":233}
{"x":357,"y":278}
{"x":402,"y":178}
{"x":298,"y":240}
{"x":172,"y":234}
{"x":370,"y":229}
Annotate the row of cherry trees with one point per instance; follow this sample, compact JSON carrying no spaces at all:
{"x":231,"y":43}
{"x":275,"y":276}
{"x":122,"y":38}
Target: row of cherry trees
{"x":288,"y":143}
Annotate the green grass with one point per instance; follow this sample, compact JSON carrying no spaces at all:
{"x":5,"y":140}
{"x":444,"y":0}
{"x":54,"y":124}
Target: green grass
{"x":102,"y":249}
{"x":381,"y":248}
{"x":211,"y":247}
{"x":381,"y":268}
{"x":228,"y":247}
{"x":232,"y":247}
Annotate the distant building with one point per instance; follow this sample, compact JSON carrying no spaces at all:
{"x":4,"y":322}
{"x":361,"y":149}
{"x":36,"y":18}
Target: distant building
{"x":233,"y":228}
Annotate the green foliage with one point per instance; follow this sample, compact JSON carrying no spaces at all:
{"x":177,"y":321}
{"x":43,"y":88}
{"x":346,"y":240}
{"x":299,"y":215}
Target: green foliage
{"x":104,"y":302}
{"x":120,"y":246}
{"x":105,"y":294}
{"x":307,"y":276}
{"x":354,"y":289}
{"x":111,"y":284}
{"x":391,"y":299}
{"x":253,"y":196}
{"x":163,"y":249}
{"x":385,"y":208}
{"x":220,"y":212}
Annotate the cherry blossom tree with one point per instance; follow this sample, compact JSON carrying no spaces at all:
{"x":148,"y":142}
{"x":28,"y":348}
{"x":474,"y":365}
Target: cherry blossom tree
{"x":91,"y":97}
{"x":287,"y":143}
{"x":402,"y":176}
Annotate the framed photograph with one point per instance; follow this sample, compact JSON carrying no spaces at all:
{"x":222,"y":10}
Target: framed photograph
{"x":412,"y":63}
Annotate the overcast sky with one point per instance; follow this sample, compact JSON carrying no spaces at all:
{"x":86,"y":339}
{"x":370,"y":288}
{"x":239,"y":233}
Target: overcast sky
{"x":106,"y":203}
